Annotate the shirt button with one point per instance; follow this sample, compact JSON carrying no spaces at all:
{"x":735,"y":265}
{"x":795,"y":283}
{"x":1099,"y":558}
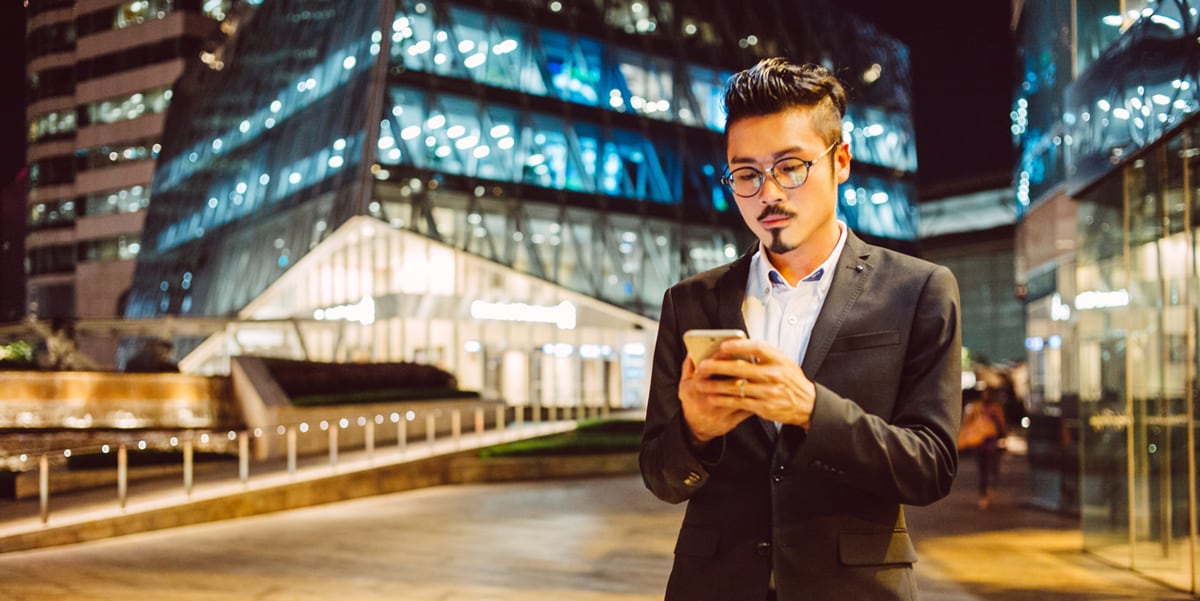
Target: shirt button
{"x":792,"y":320}
{"x":763,"y":548}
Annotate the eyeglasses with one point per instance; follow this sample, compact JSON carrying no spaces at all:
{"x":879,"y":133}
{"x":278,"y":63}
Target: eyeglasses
{"x":747,"y":181}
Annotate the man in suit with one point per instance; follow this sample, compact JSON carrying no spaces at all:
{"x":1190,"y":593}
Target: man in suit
{"x":796,"y":448}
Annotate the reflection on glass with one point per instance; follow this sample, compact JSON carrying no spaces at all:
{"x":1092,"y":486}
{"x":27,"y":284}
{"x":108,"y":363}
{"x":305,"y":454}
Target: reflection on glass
{"x":1134,"y":93}
{"x":51,"y":125}
{"x":1136,"y":312}
{"x":110,"y":154}
{"x":51,"y":214}
{"x":137,"y":12}
{"x":132,"y":106}
{"x":111,"y":249}
{"x":124,"y":200}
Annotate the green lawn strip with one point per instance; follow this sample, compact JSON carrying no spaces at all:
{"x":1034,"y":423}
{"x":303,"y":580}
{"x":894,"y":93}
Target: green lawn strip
{"x":381,"y":395}
{"x":612,"y":436}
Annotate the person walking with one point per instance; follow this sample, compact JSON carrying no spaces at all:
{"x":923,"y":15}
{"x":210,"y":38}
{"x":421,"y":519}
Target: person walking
{"x":984,"y":430}
{"x":796,"y":447}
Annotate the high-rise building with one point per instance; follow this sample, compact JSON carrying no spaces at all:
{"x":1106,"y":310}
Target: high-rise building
{"x":969,"y":227}
{"x":505,"y":188}
{"x":577,"y":143}
{"x":1105,"y":118}
{"x":100,"y":76}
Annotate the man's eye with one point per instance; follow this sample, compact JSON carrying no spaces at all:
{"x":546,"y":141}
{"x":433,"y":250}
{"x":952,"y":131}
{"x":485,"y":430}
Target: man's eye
{"x":746,"y":175}
{"x":789,"y":167}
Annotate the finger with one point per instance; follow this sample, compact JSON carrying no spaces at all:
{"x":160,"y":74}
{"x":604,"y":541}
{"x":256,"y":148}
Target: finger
{"x":740,"y":387}
{"x":726,"y":367}
{"x":689,"y":367}
{"x":730,"y":401}
{"x":752,"y":351}
{"x":733,"y":369}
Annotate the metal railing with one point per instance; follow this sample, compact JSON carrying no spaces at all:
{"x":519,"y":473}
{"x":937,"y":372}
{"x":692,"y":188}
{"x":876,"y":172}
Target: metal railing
{"x":272,"y":469}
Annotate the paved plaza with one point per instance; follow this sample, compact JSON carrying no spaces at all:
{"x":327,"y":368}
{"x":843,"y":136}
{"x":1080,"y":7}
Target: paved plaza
{"x":590,"y":539}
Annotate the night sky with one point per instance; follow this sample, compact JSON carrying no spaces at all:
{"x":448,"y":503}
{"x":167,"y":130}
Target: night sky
{"x":12,"y":86}
{"x":963,"y":59}
{"x":962,"y":73}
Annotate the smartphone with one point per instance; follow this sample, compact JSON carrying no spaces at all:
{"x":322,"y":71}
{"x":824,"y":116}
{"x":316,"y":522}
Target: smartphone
{"x":701,"y":344}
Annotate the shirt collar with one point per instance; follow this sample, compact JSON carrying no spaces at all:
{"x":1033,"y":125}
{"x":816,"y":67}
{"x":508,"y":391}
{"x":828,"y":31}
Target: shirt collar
{"x":767,"y":277}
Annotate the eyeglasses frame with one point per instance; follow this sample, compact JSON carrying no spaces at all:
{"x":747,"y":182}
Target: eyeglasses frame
{"x":762,"y":175}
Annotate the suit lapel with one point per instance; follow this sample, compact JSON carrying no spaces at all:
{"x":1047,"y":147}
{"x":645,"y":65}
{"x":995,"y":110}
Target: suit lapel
{"x":849,"y":279}
{"x":731,"y":293}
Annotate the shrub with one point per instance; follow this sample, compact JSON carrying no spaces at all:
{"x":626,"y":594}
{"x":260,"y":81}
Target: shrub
{"x":611,"y":436}
{"x":310,"y":383}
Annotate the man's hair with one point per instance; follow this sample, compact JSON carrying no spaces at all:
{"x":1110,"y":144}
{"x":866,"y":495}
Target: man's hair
{"x":777,"y":84}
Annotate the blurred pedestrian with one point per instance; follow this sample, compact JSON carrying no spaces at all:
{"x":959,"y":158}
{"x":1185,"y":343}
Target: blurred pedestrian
{"x":983,"y":431}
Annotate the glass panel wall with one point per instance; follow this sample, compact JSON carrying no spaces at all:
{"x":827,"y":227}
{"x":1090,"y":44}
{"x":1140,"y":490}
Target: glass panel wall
{"x":371,"y":292}
{"x":1139,"y":90}
{"x":1137,"y":309}
{"x":445,"y":132}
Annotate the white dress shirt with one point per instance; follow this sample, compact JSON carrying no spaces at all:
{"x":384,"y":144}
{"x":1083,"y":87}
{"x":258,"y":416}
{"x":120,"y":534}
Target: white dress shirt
{"x":781,"y":314}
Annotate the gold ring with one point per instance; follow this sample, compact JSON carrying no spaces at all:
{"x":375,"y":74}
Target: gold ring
{"x":742,"y":387}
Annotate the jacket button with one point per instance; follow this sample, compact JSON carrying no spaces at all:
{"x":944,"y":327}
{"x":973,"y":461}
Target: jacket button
{"x":763,"y":548}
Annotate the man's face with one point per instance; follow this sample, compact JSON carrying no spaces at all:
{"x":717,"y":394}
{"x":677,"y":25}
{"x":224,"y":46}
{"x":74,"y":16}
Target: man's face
{"x":788,"y":219}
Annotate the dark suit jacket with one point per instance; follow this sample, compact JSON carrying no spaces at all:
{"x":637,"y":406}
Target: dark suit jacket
{"x":821,"y":508}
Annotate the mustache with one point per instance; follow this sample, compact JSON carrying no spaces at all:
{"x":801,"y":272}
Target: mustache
{"x":773,"y":210}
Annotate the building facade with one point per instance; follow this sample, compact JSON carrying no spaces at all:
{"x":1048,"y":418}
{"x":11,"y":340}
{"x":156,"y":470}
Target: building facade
{"x":577,"y":144}
{"x":1106,"y":120}
{"x":100,"y":75}
{"x":970,"y":230}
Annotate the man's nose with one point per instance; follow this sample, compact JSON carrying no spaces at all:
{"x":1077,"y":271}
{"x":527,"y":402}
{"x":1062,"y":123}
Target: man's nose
{"x":771,"y":191}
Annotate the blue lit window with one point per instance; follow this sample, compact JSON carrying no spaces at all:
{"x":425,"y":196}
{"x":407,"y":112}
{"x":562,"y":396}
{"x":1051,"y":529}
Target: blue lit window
{"x":574,"y":66}
{"x":463,"y":136}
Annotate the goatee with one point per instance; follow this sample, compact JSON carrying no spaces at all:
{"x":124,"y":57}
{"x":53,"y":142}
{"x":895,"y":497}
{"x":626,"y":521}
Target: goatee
{"x":777,"y":245}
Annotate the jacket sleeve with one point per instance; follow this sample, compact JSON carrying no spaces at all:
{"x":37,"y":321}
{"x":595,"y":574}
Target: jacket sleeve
{"x":670,"y":468}
{"x":911,"y":456}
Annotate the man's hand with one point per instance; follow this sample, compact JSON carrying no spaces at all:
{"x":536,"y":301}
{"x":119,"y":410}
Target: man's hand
{"x":758,"y":378}
{"x":705,"y":414}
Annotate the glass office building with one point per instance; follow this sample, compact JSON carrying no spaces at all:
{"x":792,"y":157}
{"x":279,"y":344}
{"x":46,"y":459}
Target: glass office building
{"x":1113,"y":328}
{"x":98,"y":83}
{"x":576,"y":143}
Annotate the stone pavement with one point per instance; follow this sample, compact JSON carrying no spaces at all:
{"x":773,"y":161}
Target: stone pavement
{"x":1012,"y":551}
{"x":601,"y":538}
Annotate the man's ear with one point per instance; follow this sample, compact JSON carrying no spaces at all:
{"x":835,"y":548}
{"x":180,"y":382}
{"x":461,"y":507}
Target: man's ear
{"x":841,"y":158}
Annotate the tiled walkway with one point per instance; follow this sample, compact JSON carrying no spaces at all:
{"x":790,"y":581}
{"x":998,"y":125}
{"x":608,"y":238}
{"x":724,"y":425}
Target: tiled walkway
{"x":602,"y":539}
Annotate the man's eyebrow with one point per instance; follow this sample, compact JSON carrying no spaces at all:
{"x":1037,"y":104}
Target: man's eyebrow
{"x":779,"y":154}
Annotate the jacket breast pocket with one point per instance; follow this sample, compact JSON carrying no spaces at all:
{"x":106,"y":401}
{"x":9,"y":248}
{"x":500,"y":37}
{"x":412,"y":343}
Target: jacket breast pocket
{"x":857,"y":342}
{"x":875,"y":548}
